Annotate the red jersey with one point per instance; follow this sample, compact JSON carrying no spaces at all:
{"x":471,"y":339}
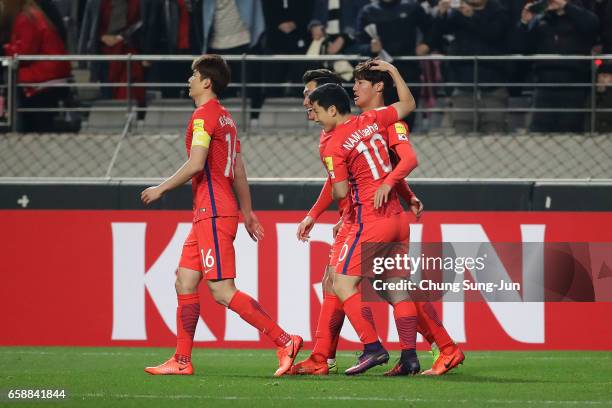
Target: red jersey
{"x":396,"y":134}
{"x":358,"y":152}
{"x":344,"y":205}
{"x":212,"y":126}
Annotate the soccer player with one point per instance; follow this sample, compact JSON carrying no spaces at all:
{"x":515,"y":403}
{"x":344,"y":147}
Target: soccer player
{"x":368,"y":90}
{"x":378,"y":215}
{"x":331,"y":316}
{"x":215,"y":167}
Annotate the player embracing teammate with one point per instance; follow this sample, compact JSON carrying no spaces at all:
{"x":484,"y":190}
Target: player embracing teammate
{"x":356,"y":152}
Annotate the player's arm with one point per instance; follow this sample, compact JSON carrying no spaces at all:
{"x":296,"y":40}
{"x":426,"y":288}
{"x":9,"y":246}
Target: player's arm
{"x":338,"y":174}
{"x":243,"y":193}
{"x":340,"y":190}
{"x":323,"y":202}
{"x":407,"y":163}
{"x":406,"y":102}
{"x":195,"y":164}
{"x":416,"y":206}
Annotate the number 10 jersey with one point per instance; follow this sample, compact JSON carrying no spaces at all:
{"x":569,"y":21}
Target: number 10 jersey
{"x":358,"y":152}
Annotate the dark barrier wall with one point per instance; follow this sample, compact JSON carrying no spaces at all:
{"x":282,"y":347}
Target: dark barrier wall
{"x":436,"y":195}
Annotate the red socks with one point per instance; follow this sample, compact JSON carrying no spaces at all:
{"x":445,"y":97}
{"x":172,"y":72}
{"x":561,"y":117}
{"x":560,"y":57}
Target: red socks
{"x":406,"y":323}
{"x":187,"y":314}
{"x":430,"y":322}
{"x":361,"y":318}
{"x":328,"y":328}
{"x":252,"y":313}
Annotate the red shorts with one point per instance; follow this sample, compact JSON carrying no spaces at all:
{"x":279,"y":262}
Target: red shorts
{"x":209,"y":248}
{"x":351,"y":255}
{"x":338,"y":242}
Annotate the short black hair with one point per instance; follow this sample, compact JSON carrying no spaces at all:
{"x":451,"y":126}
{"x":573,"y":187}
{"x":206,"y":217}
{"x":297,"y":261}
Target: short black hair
{"x":331,"y":95}
{"x":215,"y":68}
{"x":363,"y":72}
{"x":321,"y":76}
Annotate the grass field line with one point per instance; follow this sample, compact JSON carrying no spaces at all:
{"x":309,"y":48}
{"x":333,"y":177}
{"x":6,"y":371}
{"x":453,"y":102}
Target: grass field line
{"x":343,"y":398}
{"x":241,"y":354}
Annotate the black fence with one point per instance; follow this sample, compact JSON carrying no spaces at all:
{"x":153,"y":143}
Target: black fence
{"x":436,"y":195}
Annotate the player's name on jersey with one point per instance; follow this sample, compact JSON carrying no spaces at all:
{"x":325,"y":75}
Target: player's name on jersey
{"x":226,"y":121}
{"x":359,"y":134}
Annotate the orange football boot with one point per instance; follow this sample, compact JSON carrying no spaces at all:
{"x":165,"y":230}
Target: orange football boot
{"x":171,"y":367}
{"x":310,"y":367}
{"x":287,"y":354}
{"x":446,"y":362}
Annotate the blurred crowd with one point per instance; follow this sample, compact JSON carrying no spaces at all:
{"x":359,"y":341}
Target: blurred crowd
{"x":383,"y":28}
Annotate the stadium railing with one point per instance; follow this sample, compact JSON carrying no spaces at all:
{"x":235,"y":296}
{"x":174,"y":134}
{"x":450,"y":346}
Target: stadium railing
{"x":116,"y":143}
{"x":6,"y":93}
{"x":12,"y":106}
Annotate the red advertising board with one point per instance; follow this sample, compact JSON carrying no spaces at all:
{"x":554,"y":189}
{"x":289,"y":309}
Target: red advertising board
{"x":100,"y":278}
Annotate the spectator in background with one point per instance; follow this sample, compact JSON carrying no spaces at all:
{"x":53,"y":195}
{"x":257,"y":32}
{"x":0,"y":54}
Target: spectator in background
{"x":600,"y":9}
{"x":558,"y":27}
{"x":286,"y":33}
{"x":391,"y":28}
{"x":234,"y":27}
{"x":32,"y":32}
{"x":170,"y":27}
{"x":333,"y":29}
{"x":112,"y":27}
{"x":478,"y":27}
{"x":603,"y":120}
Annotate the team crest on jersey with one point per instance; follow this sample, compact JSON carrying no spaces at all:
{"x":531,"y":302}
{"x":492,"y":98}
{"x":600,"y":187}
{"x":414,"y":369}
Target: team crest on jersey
{"x":200,"y":135}
{"x":402,"y":133}
{"x":329,"y":163}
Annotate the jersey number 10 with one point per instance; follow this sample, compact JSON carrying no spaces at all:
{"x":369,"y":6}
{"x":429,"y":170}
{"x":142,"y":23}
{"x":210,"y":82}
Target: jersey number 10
{"x":386,"y":167}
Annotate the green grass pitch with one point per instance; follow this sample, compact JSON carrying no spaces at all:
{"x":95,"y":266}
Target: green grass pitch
{"x":113,"y":377}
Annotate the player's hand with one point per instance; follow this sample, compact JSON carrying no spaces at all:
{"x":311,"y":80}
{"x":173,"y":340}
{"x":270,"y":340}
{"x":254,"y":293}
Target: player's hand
{"x":253,"y":227}
{"x":151,"y":195}
{"x":382,"y":196}
{"x":303,"y":231}
{"x":337,"y":228}
{"x":416,"y":206}
{"x":380,"y":65}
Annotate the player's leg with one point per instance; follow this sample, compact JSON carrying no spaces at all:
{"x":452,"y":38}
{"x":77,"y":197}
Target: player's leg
{"x":450,"y":354}
{"x":337,"y":320}
{"x":218,"y":239}
{"x":188,"y":277}
{"x":405,"y":315}
{"x":346,"y":285}
{"x":329,"y":324}
{"x":430,"y":325}
{"x":362,"y":320}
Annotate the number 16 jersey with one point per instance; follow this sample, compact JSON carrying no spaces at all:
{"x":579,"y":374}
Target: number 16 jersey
{"x":212,"y":126}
